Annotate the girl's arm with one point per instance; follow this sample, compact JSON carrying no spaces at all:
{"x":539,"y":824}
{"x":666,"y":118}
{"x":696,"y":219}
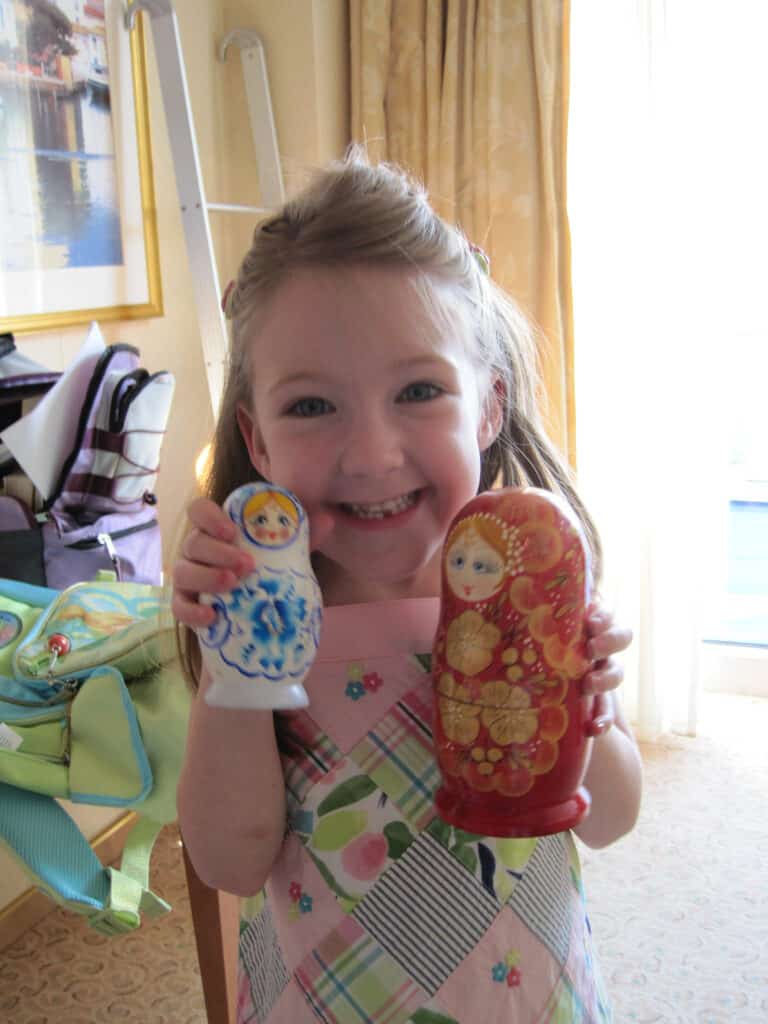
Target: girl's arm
{"x":231,"y":799}
{"x":614,"y":781}
{"x":614,"y":773}
{"x":231,"y":796}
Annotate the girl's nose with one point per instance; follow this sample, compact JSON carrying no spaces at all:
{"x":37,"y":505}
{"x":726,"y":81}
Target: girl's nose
{"x":373,"y":447}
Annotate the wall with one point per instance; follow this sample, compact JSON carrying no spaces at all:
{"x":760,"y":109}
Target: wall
{"x":306,"y":47}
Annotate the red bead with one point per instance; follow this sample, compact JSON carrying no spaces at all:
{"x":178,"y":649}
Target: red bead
{"x":59,"y":643}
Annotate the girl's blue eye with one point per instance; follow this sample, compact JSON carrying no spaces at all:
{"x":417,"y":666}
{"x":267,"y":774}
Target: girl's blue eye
{"x":283,"y":520}
{"x":311,"y":406}
{"x":419,"y":391}
{"x":261,"y":519}
{"x":457,"y":561}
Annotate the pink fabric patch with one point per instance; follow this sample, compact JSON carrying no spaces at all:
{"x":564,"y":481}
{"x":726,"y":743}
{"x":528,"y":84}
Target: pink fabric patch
{"x":373,"y":641}
{"x":299,"y":934}
{"x":331,"y":706}
{"x":472,"y":985}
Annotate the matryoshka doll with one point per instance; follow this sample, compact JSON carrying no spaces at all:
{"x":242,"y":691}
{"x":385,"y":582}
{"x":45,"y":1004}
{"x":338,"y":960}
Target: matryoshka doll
{"x":511,"y":725}
{"x":264,"y":639}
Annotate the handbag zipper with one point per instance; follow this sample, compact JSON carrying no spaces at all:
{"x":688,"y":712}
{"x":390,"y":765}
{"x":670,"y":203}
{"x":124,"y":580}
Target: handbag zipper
{"x":106,"y":540}
{"x":96,"y":542}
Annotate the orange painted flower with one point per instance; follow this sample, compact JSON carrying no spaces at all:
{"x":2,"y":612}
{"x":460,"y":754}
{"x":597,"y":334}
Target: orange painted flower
{"x":553,"y":721}
{"x":542,"y":756}
{"x":471,"y":642}
{"x":555,"y":690}
{"x":522,"y":594}
{"x":480,"y":770}
{"x":542,"y":545}
{"x":488,"y":769}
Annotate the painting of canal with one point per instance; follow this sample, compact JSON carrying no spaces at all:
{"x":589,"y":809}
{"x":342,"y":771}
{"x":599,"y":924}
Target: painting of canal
{"x":59,"y":202}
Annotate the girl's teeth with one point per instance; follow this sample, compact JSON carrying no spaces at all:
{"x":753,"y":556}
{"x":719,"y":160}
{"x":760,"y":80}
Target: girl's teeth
{"x":386,"y":508}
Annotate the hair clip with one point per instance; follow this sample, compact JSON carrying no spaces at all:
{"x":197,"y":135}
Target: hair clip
{"x":226,"y":300}
{"x":483,"y":260}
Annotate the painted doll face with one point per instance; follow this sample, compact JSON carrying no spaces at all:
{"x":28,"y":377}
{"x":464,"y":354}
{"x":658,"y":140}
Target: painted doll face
{"x":270,"y":526}
{"x":474,"y":570}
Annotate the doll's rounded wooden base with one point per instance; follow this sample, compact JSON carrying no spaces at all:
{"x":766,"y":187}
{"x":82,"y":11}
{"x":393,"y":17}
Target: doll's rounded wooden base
{"x":509,"y":823}
{"x":255,"y":695}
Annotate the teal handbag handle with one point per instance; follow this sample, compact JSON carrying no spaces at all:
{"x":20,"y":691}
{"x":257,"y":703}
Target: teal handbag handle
{"x":65,"y":867}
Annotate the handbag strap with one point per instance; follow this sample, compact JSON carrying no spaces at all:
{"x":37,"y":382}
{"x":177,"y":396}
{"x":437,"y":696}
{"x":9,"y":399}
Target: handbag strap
{"x":40,"y":834}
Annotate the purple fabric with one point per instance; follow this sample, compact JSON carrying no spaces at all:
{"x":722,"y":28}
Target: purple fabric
{"x":139,"y":553}
{"x":85,"y":506}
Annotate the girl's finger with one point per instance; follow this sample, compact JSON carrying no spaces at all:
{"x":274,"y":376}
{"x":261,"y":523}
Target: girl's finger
{"x":610,"y":641}
{"x":190,"y":578}
{"x":605,"y":676}
{"x":597,"y":617}
{"x":602,"y":716}
{"x":203,"y":549}
{"x":210,"y":518}
{"x":188,"y":612}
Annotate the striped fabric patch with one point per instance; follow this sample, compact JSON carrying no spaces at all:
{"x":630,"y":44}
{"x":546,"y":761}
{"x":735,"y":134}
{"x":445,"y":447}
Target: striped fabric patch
{"x":262,"y":961}
{"x":428,"y":912}
{"x":398,"y":756}
{"x":317,"y":755}
{"x":349,"y":979}
{"x":543,"y":896}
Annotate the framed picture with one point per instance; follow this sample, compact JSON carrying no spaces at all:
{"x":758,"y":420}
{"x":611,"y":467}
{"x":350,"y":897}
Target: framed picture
{"x":78,"y":240}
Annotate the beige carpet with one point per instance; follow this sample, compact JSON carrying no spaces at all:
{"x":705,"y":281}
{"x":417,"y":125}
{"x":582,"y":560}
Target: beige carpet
{"x":679,"y":908}
{"x":63,"y":972}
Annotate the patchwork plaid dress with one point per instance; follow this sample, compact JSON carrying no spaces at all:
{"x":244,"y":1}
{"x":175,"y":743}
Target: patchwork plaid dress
{"x":376,"y":910}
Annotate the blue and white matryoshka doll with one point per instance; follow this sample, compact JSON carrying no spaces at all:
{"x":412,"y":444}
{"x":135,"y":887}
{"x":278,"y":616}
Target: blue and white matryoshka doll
{"x":264,"y":638}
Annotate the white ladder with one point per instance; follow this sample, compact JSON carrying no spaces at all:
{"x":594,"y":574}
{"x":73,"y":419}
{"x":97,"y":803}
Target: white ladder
{"x":189,"y":179}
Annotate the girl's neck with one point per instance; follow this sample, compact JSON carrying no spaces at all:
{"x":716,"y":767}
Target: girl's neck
{"x":338,"y":588}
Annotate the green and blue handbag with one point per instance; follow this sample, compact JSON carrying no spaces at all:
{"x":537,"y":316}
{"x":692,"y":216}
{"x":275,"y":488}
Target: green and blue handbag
{"x":93,"y":709}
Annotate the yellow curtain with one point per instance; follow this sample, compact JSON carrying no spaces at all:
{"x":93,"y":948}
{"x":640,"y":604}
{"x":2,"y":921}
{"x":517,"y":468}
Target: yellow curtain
{"x":471,"y":96}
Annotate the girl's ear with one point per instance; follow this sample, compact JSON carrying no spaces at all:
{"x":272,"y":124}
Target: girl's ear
{"x":253,"y":441}
{"x":492,"y":415}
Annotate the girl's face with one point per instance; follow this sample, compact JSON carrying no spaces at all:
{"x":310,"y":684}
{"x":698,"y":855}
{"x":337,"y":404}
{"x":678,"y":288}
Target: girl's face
{"x":473,"y":569}
{"x":270,"y":525}
{"x":368,"y":407}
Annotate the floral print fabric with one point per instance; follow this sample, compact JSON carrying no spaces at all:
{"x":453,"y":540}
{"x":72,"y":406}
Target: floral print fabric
{"x":379,"y":911}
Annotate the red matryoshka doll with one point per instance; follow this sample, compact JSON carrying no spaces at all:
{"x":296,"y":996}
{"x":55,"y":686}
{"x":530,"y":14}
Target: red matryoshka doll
{"x":511,"y":725}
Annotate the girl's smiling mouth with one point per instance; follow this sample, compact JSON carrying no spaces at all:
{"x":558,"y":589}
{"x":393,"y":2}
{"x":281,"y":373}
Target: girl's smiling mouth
{"x":379,"y":512}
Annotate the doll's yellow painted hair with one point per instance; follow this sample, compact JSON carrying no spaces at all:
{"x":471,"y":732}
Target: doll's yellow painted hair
{"x":254,"y":505}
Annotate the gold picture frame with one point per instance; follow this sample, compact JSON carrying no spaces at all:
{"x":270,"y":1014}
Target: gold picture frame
{"x":34,"y":295}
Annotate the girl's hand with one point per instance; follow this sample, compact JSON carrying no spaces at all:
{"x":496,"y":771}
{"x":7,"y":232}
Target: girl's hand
{"x":605,"y":639}
{"x":210,"y":562}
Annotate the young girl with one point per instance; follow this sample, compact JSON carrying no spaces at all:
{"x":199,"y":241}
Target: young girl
{"x":378,"y":373}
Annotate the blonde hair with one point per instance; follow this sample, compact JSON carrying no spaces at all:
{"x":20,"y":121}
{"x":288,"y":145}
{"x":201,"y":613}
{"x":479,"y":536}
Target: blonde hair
{"x":355,"y":213}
